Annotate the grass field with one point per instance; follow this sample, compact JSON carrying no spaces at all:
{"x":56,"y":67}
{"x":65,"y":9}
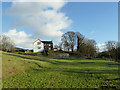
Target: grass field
{"x":20,"y":71}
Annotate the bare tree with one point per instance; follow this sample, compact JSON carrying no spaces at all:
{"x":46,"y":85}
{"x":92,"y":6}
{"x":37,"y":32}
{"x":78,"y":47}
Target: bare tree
{"x":69,"y":40}
{"x":91,"y":48}
{"x":111,"y":45}
{"x":85,"y":47}
{"x":59,"y":46}
{"x":6,"y":43}
{"x":56,"y":46}
{"x":112,"y":49}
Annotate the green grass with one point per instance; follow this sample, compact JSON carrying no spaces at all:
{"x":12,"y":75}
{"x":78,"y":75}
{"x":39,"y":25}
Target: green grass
{"x":23,"y":71}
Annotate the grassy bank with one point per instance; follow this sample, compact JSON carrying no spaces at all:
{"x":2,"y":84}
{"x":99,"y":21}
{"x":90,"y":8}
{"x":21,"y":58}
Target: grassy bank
{"x":24,"y":71}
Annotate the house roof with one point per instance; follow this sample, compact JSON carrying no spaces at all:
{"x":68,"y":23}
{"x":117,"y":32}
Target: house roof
{"x":47,"y":42}
{"x":36,"y":40}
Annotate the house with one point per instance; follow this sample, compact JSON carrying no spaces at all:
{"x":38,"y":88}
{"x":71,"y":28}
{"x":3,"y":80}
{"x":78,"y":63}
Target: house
{"x":40,"y":46}
{"x":28,"y":51}
{"x":55,"y":49}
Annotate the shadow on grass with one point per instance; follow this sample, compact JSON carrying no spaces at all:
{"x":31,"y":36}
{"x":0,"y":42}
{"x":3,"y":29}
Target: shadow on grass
{"x":93,"y":71}
{"x":34,"y":58}
{"x":46,"y":59}
{"x":67,"y":58}
{"x":109,"y":87}
{"x":87,"y":71}
{"x":114,"y":64}
{"x":77,"y":71}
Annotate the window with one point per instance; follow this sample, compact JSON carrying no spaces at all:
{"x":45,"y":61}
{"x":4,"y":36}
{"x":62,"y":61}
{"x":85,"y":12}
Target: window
{"x":38,"y":43}
{"x":39,"y":47}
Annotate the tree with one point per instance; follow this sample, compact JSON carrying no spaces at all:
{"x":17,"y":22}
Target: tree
{"x":69,"y":40}
{"x":80,"y":38}
{"x":91,"y":48}
{"x":85,"y":47}
{"x":56,"y":46}
{"x":112,"y":50}
{"x":59,"y":46}
{"x":111,"y":45}
{"x":6,"y":43}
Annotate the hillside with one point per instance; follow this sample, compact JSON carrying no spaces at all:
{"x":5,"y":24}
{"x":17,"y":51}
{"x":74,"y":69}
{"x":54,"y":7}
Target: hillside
{"x":20,"y":71}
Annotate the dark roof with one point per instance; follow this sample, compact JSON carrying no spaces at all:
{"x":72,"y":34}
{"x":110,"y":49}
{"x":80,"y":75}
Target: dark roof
{"x":47,"y":42}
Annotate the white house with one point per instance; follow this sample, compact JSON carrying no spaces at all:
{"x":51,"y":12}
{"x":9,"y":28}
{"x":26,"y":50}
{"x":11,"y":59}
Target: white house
{"x":40,"y":46}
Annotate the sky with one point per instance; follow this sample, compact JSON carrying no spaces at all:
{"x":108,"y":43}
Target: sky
{"x":25,"y":22}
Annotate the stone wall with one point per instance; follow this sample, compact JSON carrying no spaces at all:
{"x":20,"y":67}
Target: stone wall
{"x":34,"y":54}
{"x":51,"y":55}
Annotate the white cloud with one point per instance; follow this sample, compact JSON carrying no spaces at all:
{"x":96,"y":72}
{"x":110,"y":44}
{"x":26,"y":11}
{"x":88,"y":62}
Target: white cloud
{"x":44,"y":17}
{"x":21,"y":38}
{"x":101,"y":47}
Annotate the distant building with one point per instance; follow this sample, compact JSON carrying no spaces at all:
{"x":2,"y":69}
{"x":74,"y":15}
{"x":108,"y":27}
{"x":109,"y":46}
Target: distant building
{"x":40,"y":46}
{"x":55,"y":49}
{"x":28,"y":51}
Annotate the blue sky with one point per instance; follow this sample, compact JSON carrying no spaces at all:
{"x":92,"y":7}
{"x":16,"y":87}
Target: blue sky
{"x":95,"y":20}
{"x":99,"y":18}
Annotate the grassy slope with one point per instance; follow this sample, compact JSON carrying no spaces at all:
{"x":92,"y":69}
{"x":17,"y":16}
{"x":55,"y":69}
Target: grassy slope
{"x":38,"y":72}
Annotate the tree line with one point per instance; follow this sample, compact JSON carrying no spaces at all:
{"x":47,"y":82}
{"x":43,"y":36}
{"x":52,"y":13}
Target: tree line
{"x":77,"y":44}
{"x":112,"y":51}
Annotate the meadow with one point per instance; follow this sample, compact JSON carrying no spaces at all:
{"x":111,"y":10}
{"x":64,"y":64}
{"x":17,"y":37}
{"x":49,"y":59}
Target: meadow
{"x":24,"y":71}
